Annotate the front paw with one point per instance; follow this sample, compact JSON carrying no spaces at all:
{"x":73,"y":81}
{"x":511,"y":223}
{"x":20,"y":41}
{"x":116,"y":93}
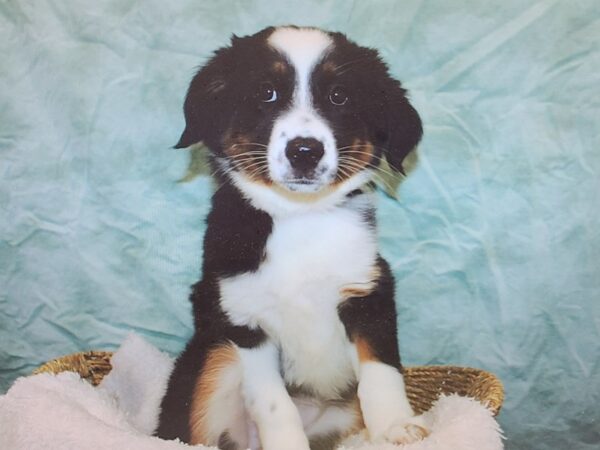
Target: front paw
{"x":405,"y":432}
{"x":285,"y":439}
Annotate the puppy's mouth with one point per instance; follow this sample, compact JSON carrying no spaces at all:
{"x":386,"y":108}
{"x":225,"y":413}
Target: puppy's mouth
{"x":304,"y":185}
{"x":311,"y":181}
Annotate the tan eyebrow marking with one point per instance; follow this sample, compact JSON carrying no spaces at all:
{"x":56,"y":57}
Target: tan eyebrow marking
{"x":279,"y":67}
{"x":329,"y":66}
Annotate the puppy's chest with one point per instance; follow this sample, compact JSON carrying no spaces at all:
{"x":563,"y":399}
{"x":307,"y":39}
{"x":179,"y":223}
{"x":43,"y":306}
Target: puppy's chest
{"x":294,"y":294}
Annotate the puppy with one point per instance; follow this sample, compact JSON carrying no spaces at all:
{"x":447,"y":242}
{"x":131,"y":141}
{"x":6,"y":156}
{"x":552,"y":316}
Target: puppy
{"x":295,"y":342}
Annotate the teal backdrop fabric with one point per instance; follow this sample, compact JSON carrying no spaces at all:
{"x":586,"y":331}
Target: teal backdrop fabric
{"x":495,"y":241}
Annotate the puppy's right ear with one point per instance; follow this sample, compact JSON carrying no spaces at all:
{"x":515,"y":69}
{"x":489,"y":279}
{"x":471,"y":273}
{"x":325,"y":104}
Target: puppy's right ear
{"x":205,"y":103}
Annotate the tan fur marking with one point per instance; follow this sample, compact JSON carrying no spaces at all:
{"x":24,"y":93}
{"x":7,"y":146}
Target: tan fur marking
{"x":248,"y":157}
{"x":279,"y":67}
{"x":376,"y":272}
{"x":360,"y":422}
{"x":234,"y":144}
{"x":361,"y":289}
{"x":356,"y":291}
{"x":359,"y":154}
{"x":207,"y":383}
{"x":329,"y":66}
{"x":364,"y":350}
{"x":363,"y":150}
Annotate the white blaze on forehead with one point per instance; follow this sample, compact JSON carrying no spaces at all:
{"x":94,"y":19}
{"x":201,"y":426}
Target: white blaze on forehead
{"x":303,"y":47}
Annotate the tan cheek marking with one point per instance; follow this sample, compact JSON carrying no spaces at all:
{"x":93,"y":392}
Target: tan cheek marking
{"x":360,"y":155}
{"x":234,"y":145}
{"x":237,"y":148}
{"x":206,"y":385}
{"x":363,"y":151}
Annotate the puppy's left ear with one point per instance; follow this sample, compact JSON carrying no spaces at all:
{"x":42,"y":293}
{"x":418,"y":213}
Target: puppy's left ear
{"x":403,"y":124}
{"x":209,"y":101}
{"x":206,"y":103}
{"x":202,"y":108}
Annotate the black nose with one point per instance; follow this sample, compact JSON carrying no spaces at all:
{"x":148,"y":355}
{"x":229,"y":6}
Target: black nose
{"x":304,"y":153}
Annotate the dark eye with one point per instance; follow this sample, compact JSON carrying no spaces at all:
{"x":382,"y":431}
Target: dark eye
{"x":338,"y":96}
{"x":267,"y":93}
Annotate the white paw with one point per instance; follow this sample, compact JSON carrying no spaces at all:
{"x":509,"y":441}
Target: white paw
{"x":285,"y":440}
{"x":406,"y":432}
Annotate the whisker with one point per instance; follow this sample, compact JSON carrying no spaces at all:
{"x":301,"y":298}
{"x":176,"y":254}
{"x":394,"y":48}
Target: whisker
{"x":346,"y":147}
{"x":251,"y":167}
{"x":374,"y":170}
{"x":348,"y":63}
{"x":238,"y":144}
{"x":380,"y":179}
{"x":378,"y":147}
{"x":343,"y":148}
{"x":369,"y":165}
{"x":346,"y":172}
{"x":261,"y":151}
{"x":388,"y":187}
{"x":255,"y":153}
{"x":259,"y":171}
{"x":249,"y":158}
{"x":256,"y":164}
{"x":356,"y":149}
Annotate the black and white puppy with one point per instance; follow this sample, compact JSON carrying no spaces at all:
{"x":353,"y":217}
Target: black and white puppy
{"x":295,"y":342}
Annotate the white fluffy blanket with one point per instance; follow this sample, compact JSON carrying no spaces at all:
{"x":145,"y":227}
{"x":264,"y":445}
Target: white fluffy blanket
{"x":64,"y":412}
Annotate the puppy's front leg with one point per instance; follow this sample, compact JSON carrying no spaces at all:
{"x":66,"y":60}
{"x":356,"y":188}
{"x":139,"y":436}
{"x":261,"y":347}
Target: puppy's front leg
{"x":383,"y":401}
{"x":370,"y":321}
{"x":267,"y":401}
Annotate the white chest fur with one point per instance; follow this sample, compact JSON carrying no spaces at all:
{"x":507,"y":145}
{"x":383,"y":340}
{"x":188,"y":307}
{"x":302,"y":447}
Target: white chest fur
{"x":294,"y":294}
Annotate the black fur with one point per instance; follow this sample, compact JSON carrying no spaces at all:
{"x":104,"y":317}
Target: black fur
{"x":377,"y":110}
{"x":234,"y":243}
{"x":373,"y":318}
{"x":232,"y":78}
{"x":236,"y":234}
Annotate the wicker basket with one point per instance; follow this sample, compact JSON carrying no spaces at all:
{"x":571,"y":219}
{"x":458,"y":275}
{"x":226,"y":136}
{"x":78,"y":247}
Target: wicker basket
{"x":424,"y":384}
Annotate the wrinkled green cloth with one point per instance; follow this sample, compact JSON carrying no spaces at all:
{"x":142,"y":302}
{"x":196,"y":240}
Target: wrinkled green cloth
{"x":495,"y":241}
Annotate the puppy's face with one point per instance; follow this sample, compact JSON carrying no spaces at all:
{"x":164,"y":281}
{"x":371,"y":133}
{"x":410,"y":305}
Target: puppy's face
{"x":299,"y":109}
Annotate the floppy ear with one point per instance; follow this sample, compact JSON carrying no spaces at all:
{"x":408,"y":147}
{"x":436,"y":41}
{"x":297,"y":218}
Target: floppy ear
{"x":205,"y":103}
{"x":403,"y":124}
{"x":209,"y":100}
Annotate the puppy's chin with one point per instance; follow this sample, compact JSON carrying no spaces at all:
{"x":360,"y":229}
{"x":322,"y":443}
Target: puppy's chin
{"x":303,"y":192}
{"x":303,"y":186}
{"x":279,"y":200}
{"x":306,"y":189}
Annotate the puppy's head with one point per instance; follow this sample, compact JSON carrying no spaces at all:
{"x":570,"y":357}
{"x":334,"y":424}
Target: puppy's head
{"x":299,"y":110}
